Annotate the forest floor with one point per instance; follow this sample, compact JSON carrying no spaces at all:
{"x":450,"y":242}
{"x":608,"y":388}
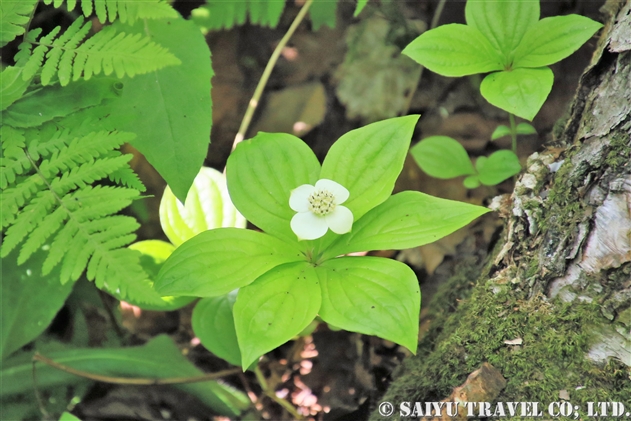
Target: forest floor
{"x":319,"y":90}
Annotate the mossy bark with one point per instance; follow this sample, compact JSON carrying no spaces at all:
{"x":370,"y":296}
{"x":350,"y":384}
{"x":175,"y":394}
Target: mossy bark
{"x":551,"y":308}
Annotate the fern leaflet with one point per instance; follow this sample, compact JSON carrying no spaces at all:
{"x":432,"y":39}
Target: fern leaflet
{"x":49,"y":200}
{"x":225,"y":14}
{"x":107,"y":51}
{"x":127,"y":11}
{"x":222,"y":14}
{"x":14,"y":15}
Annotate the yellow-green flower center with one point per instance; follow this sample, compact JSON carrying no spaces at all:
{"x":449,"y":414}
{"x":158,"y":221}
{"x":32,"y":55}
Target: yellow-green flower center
{"x":321,"y":202}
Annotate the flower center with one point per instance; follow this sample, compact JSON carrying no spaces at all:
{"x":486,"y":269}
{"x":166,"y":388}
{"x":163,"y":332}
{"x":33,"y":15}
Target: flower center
{"x":321,"y":202}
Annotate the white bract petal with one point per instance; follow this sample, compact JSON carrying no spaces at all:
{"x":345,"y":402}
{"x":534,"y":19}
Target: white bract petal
{"x":339,"y":191}
{"x":299,"y":198}
{"x":340,"y":220}
{"x":308,"y":226}
{"x":319,"y":209}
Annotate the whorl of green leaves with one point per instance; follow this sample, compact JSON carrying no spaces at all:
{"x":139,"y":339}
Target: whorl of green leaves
{"x":71,"y":57}
{"x":49,"y":200}
{"x":127,"y":11}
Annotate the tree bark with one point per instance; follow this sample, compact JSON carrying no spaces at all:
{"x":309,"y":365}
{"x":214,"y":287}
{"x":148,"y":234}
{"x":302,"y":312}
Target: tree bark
{"x":551,"y":308}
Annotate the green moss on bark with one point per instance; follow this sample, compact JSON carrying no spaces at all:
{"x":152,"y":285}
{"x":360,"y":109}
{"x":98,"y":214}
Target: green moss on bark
{"x":552,"y":357}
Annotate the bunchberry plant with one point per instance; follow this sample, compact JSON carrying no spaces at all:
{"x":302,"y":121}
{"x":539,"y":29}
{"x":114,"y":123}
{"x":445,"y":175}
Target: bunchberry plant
{"x":312,"y":216}
{"x":507,"y":40}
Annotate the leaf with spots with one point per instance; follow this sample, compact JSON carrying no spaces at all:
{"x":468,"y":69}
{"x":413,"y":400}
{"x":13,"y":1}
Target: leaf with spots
{"x":373,"y":296}
{"x":275,"y":308}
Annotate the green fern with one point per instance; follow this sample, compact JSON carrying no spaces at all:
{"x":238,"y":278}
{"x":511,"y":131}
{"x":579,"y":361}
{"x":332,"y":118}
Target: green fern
{"x":225,"y":14}
{"x":106,"y":51}
{"x":14,"y":15}
{"x":49,"y":201}
{"x":127,"y":11}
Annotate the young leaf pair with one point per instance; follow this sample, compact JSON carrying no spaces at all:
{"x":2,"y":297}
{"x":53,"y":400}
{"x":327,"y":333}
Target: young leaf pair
{"x":284,"y":283}
{"x":507,"y":39}
{"x":444,"y":157}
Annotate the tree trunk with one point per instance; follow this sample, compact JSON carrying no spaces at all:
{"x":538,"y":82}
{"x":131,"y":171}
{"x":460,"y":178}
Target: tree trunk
{"x":551,"y":309}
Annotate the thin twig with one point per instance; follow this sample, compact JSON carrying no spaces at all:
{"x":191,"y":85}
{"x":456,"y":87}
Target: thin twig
{"x":254,"y":102}
{"x":38,"y":395}
{"x":255,"y":399}
{"x":513,"y":132}
{"x":437,"y":13}
{"x":132,"y":381}
{"x":433,"y":24}
{"x":110,"y":315}
{"x":272,"y":395}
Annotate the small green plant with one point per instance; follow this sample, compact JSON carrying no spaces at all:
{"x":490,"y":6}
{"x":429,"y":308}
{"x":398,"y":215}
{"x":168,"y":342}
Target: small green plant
{"x":312,"y":216}
{"x":507,"y":40}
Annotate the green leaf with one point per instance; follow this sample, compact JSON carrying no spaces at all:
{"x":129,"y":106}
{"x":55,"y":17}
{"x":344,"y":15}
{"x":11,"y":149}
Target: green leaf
{"x":553,"y":39}
{"x":454,"y":50}
{"x":323,"y":12}
{"x":12,"y":86}
{"x":360,"y":6}
{"x":503,"y":23}
{"x":373,"y":296}
{"x":261,"y":174}
{"x":471,"y":182}
{"x":170,"y":109}
{"x":208,"y":206}
{"x":159,"y":358}
{"x":442,"y":157}
{"x":28,"y":300}
{"x":213,"y":324}
{"x":500,"y":131}
{"x":525,"y":128}
{"x":368,"y":160}
{"x":14,"y":15}
{"x":153,"y":253}
{"x":497,"y":167}
{"x":275,"y":308}
{"x":67,"y":416}
{"x":521,"y":92}
{"x":218,"y":261}
{"x":407,"y":219}
{"x":51,"y":102}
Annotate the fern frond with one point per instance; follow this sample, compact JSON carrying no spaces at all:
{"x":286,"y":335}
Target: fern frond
{"x":72,"y":57}
{"x":222,"y":14}
{"x":13,"y":161}
{"x":14,"y":15}
{"x":25,"y":48}
{"x":127,"y":11}
{"x":53,"y":204}
{"x":127,"y":177}
{"x":65,"y":152}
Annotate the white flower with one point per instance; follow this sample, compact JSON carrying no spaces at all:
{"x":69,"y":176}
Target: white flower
{"x":319,"y":209}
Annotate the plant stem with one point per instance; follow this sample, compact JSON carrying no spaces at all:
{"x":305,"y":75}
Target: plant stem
{"x":254,"y":102}
{"x":513,"y":132}
{"x":132,"y":381}
{"x":270,"y":394}
{"x":437,"y":13}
